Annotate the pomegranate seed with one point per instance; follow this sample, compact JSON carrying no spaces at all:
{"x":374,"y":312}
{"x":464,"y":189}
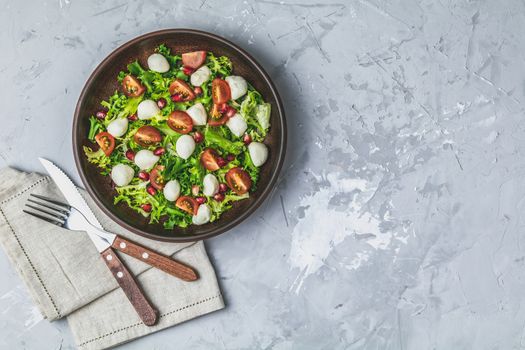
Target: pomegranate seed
{"x":221,"y":162}
{"x":219,"y":197}
{"x":201,"y":200}
{"x":230,"y":157}
{"x":230,"y":112}
{"x":133,"y":117}
{"x":197,"y":90}
{"x":101,"y":114}
{"x":187,"y":70}
{"x":130,"y":154}
{"x":151,"y":190}
{"x":198,"y":137}
{"x":159,"y":151}
{"x":146,"y":207}
{"x":176,"y":98}
{"x":223,"y":188}
{"x":247,"y":139}
{"x":224,"y":108}
{"x":143,"y":176}
{"x":161,"y":102}
{"x":195,"y":189}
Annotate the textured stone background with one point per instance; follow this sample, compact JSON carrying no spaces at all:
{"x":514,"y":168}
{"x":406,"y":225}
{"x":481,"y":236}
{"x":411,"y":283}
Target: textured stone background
{"x":397,"y":223}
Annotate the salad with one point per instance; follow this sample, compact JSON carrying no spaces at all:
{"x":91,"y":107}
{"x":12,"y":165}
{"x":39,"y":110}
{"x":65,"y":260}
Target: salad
{"x":182,"y":139}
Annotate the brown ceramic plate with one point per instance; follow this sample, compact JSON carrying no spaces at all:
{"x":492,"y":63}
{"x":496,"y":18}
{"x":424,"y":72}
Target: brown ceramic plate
{"x":102,"y":83}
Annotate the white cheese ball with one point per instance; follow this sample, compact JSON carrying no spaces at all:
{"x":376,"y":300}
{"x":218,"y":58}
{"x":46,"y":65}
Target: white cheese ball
{"x":185,"y":146}
{"x":122,"y":174}
{"x":210,"y":185}
{"x":237,"y":125}
{"x":145,"y":159}
{"x":147,"y":109}
{"x":171,"y":190}
{"x":258,"y":153}
{"x":158,"y":63}
{"x":200,"y":76}
{"x":203,"y":215}
{"x":238,"y":86}
{"x":197,"y":114}
{"x":118,"y":127}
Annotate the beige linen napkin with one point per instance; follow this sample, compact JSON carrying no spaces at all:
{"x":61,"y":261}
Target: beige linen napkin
{"x":66,"y":276}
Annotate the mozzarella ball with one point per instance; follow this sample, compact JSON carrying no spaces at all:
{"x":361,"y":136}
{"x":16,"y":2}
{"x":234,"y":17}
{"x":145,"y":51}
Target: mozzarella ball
{"x":147,"y":109}
{"x":237,"y":125}
{"x":145,"y":159}
{"x":171,"y":190}
{"x":210,"y":185}
{"x":203,"y":215}
{"x":238,"y":86}
{"x":158,"y":63}
{"x":197,"y":114}
{"x":122,"y":174}
{"x":118,"y":127}
{"x":200,"y":76}
{"x":258,"y":153}
{"x":185,"y":146}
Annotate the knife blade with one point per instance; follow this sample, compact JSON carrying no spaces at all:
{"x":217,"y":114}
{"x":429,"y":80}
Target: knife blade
{"x":101,"y":239}
{"x":126,"y":281}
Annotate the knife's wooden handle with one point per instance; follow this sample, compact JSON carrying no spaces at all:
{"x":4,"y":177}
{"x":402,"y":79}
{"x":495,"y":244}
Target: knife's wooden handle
{"x":147,"y":313}
{"x":155,"y":259}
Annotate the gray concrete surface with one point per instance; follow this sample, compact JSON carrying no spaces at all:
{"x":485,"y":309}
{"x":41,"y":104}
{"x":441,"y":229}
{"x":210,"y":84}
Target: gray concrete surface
{"x":397,"y":223}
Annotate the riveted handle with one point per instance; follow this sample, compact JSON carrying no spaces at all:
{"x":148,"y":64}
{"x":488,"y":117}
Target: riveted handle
{"x":147,"y":313}
{"x":155,"y":259}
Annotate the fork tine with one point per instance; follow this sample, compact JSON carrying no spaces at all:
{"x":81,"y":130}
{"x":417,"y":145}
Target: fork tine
{"x":54,"y":222}
{"x":60,"y":204}
{"x":53,"y":215}
{"x":61,"y":211}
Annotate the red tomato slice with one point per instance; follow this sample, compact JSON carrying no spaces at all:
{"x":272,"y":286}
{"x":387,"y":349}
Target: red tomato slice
{"x":147,"y":135}
{"x":217,"y":117}
{"x":181,"y":88}
{"x":155,"y":177}
{"x":180,"y":121}
{"x":188,"y":204}
{"x":132,"y":86}
{"x":193,"y":59}
{"x":106,"y":142}
{"x":220,"y":91}
{"x":238,"y":180}
{"x":209,"y":159}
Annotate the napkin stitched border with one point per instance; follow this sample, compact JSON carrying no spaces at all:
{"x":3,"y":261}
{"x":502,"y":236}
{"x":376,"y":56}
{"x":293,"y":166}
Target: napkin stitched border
{"x":5,"y":201}
{"x":141,"y":324}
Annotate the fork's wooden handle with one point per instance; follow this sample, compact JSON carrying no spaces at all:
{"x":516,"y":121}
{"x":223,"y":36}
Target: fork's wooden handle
{"x":147,"y":313}
{"x":155,"y":259}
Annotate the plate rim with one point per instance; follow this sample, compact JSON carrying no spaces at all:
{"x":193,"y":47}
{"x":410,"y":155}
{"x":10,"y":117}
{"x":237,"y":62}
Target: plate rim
{"x":258,"y":201}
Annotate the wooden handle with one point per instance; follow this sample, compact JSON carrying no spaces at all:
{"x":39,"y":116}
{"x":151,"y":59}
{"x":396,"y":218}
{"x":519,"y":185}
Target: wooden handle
{"x":154,"y":259}
{"x":130,"y":287}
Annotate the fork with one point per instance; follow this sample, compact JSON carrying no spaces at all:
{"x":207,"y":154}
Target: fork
{"x":64,"y":215}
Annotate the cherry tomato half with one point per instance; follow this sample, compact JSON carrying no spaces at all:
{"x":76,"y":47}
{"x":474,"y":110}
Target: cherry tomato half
{"x":193,"y":59}
{"x":180,"y":88}
{"x":180,"y":122}
{"x":217,"y":117}
{"x":147,"y":135}
{"x":106,"y":142}
{"x":132,"y":86}
{"x":188,"y":204}
{"x":155,"y":177}
{"x":209,"y":159}
{"x":220,"y":91}
{"x":238,"y":180}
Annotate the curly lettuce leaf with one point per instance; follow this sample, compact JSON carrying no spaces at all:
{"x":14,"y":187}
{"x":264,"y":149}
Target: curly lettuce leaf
{"x":95,"y":126}
{"x":219,"y":65}
{"x":214,"y":138}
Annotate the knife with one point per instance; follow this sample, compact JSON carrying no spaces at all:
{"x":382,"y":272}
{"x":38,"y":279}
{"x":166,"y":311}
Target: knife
{"x":105,"y":242}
